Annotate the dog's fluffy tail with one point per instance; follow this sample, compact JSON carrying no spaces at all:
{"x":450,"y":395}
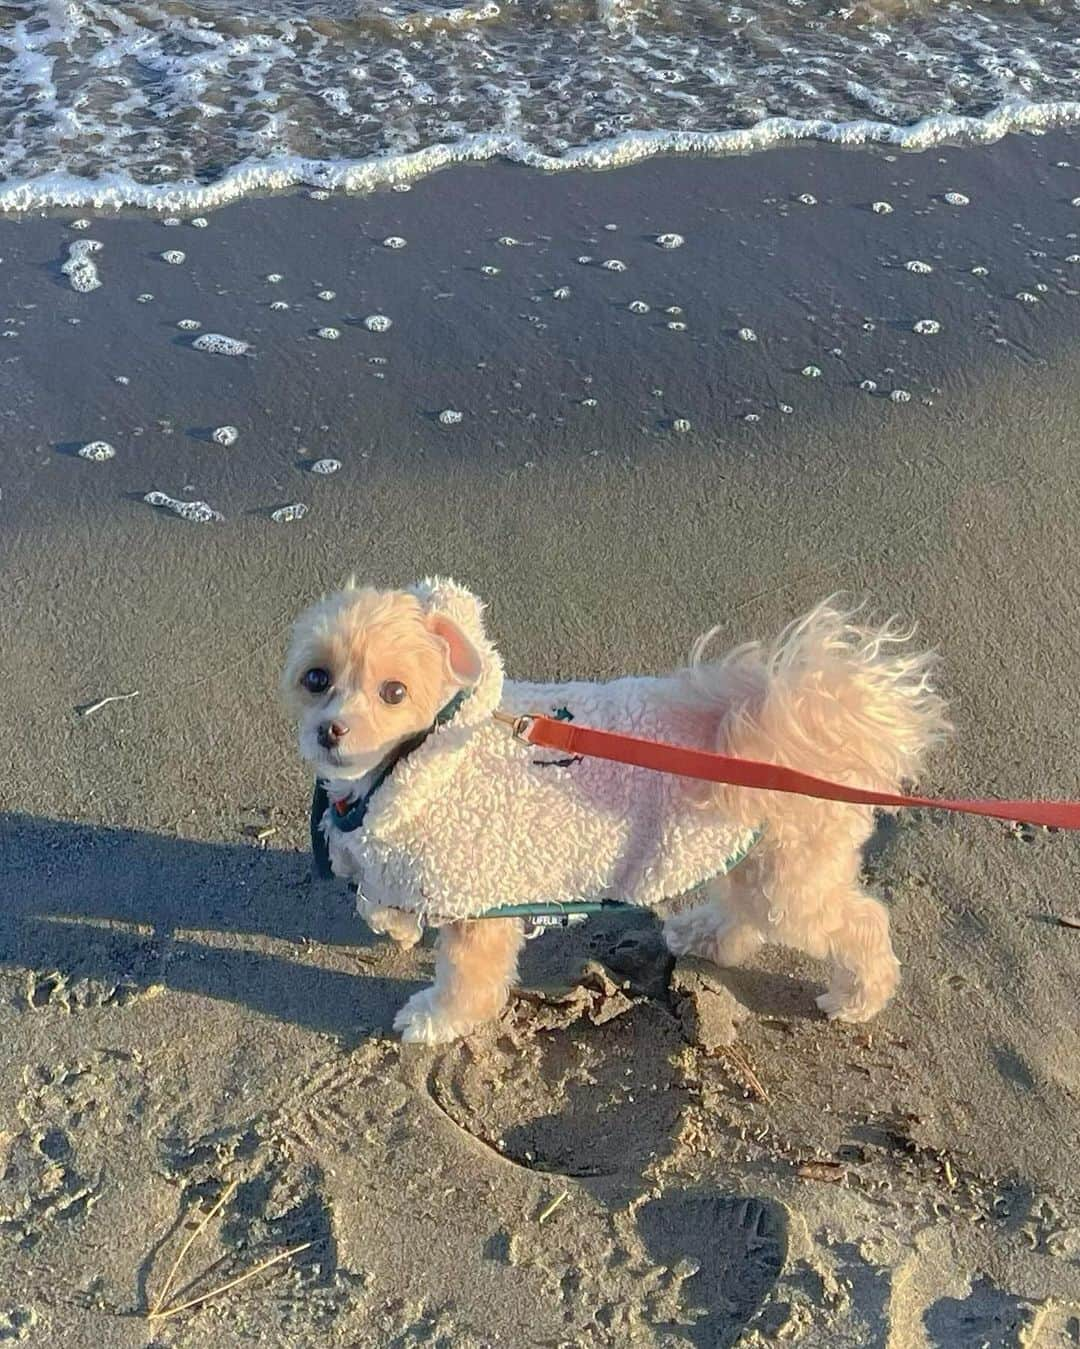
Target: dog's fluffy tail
{"x":831,"y":696}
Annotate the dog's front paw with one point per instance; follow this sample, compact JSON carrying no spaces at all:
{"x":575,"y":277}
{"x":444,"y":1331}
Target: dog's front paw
{"x":844,"y":1004}
{"x":424,"y":1021}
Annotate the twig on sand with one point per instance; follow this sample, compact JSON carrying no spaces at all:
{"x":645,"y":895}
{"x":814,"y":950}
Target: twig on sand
{"x":86,"y":708}
{"x":231,"y":1283}
{"x":739,"y":1061}
{"x":548,"y":1209}
{"x":831,"y":1173}
{"x":1063,"y":921}
{"x":222,"y":1200}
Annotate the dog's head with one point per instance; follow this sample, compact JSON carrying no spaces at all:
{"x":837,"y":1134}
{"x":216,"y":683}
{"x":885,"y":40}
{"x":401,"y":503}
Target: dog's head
{"x":369,"y":669}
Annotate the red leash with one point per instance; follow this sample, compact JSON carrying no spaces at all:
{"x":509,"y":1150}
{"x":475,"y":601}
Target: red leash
{"x":547,"y":733}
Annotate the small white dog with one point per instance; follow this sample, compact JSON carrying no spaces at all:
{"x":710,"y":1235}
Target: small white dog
{"x":438,"y":814}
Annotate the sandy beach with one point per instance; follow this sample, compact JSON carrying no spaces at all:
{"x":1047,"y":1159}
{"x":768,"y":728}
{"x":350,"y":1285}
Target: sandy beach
{"x":821,"y":395}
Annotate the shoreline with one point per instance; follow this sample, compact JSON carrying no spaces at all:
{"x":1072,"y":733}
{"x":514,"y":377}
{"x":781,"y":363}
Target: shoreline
{"x":274,"y":175}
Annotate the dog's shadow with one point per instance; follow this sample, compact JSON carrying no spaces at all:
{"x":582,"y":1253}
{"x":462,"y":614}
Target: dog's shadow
{"x":237,"y":922}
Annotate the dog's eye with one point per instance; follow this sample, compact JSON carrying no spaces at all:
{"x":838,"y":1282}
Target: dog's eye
{"x":316,"y":680}
{"x":393,"y":692}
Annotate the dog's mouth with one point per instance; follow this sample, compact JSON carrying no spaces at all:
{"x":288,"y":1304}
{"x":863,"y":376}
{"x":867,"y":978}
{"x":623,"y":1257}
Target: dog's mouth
{"x":336,"y":762}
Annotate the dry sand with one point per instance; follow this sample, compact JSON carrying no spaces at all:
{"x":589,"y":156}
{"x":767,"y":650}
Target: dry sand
{"x":182,"y":1007}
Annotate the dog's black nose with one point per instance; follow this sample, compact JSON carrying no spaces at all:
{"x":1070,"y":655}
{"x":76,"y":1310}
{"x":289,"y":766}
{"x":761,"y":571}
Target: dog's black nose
{"x":331,"y":733}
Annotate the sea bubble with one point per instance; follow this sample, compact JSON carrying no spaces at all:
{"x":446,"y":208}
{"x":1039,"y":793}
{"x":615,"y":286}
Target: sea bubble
{"x":680,"y":424}
{"x":807,"y":199}
{"x":638,"y":307}
{"x":747,"y":335}
{"x":326,"y":466}
{"x":189,"y":325}
{"x":449,"y":417}
{"x":200,"y":222}
{"x":393,"y":241}
{"x":1026,"y":297}
{"x":614,"y":265}
{"x":198,"y":512}
{"x":97,"y":451}
{"x":217,"y":344}
{"x":882,"y":208}
{"x":296,"y":510}
{"x":957,"y":199}
{"x":328,"y":334}
{"x":378,"y":323}
{"x":670,"y":240}
{"x":173,"y":257}
{"x":900,"y":396}
{"x":561,"y":293}
{"x":919,"y":268}
{"x":225,"y":435}
{"x":488,"y":270}
{"x":927,"y":327}
{"x":80,"y":268}
{"x":327,"y":295}
{"x":812,"y":371}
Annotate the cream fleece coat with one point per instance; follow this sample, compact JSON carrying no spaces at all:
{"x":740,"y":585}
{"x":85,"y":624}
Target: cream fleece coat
{"x":474,"y":819}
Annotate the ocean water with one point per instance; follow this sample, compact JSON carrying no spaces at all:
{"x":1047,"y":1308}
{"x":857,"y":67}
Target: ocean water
{"x":184,"y":104}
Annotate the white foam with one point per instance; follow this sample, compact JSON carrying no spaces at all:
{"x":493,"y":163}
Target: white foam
{"x":97,"y":451}
{"x":199,"y":512}
{"x":220,"y":345}
{"x":80,"y":268}
{"x":261,"y":176}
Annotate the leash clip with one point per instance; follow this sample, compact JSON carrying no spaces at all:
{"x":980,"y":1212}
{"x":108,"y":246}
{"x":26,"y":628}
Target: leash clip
{"x":519,"y":726}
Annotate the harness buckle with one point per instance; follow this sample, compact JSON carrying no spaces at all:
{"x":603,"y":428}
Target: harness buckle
{"x":520,"y":726}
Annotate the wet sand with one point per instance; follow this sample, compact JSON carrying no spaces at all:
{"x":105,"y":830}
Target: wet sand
{"x":182,"y":1006}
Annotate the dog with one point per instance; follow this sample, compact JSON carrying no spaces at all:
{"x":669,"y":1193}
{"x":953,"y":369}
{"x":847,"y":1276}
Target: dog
{"x":438,"y":814}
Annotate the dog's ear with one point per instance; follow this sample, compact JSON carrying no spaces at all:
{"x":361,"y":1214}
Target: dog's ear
{"x":462,"y":658}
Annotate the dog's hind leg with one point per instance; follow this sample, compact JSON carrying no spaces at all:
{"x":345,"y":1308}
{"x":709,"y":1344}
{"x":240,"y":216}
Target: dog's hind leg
{"x":475,"y":965}
{"x":726,"y":929}
{"x":816,"y":904}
